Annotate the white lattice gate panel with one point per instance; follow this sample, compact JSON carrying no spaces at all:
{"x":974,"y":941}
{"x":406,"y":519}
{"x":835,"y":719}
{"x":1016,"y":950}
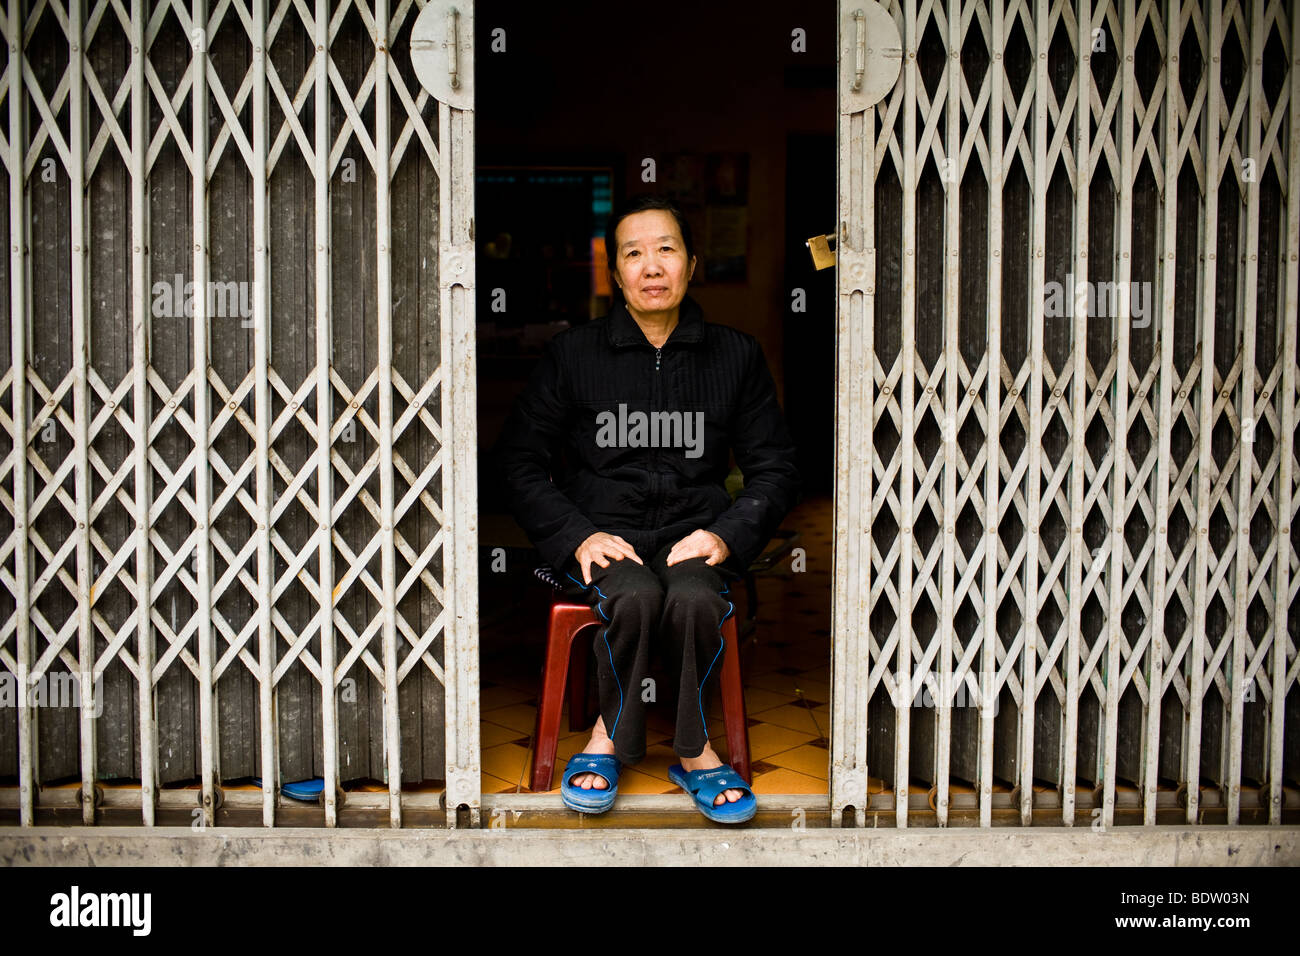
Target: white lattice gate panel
{"x":247,"y":565}
{"x":1075,"y":535}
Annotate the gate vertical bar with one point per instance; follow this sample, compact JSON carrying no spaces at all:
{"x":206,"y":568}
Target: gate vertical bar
{"x":18,"y":319}
{"x":202,"y":491}
{"x":1205,"y":396}
{"x":845,"y":612}
{"x":863,"y":367}
{"x":1287,"y":416}
{"x":457,"y":282}
{"x":262,"y":416}
{"x":993,"y":446}
{"x":81,"y":404}
{"x":1119,"y":440}
{"x":1078,"y":406}
{"x":1164,"y":413}
{"x":902,"y":706}
{"x":384,"y":285}
{"x":1246,"y":457}
{"x":951,"y":356}
{"x":853,"y":513}
{"x":1033,"y":474}
{"x":141,"y":401}
{"x":324,"y":402}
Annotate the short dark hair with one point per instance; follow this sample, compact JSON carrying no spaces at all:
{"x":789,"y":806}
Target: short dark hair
{"x":641,"y":203}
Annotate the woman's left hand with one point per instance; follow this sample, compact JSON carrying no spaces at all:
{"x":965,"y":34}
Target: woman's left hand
{"x":700,"y":544}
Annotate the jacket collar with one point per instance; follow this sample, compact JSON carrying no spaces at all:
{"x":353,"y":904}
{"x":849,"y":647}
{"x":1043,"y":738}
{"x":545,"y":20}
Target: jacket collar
{"x":622,"y":329}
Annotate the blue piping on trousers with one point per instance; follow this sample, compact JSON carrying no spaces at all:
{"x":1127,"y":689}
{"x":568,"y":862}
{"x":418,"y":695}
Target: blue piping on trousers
{"x":721,"y":644}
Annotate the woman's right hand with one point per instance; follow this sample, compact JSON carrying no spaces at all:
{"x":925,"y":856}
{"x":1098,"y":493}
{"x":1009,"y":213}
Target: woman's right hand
{"x":599,"y":548}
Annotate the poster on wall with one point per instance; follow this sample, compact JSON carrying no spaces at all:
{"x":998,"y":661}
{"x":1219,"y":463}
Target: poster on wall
{"x":726,"y":216}
{"x":712,"y":190}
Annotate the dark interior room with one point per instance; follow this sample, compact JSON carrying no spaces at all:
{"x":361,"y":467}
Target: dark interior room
{"x":733,"y":118}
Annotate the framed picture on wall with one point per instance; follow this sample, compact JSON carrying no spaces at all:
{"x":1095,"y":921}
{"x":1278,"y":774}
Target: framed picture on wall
{"x":712,"y":190}
{"x":726,"y":217}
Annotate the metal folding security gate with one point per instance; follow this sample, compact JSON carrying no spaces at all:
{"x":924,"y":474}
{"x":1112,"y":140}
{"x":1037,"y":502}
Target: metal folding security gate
{"x":237,"y":434}
{"x":238,"y":480}
{"x":1066,"y":562}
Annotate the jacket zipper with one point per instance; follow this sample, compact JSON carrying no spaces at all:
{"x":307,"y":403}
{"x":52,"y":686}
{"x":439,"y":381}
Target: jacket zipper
{"x":654,"y":467}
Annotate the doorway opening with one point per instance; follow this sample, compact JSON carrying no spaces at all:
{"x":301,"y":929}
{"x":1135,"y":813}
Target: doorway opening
{"x":733,"y":117}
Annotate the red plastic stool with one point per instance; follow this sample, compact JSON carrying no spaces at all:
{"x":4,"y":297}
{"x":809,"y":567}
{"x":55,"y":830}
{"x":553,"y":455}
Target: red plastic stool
{"x":563,"y":662}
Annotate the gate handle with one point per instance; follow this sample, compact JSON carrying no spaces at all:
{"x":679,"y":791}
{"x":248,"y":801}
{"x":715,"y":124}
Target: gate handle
{"x":860,"y":52}
{"x":453,"y":47}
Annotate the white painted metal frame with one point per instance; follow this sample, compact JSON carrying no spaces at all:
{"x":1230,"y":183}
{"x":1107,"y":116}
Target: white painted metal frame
{"x":145,"y":565}
{"x":854,"y":417}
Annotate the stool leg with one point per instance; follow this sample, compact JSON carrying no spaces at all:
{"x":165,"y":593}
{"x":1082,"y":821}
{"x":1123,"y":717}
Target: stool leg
{"x":554,"y":670}
{"x":565,"y":624}
{"x":733,"y":701}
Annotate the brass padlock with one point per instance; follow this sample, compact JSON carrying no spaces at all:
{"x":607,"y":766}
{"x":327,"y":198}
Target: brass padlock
{"x":823,"y":255}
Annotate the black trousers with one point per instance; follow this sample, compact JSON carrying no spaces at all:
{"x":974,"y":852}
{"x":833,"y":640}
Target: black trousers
{"x":682,"y":608}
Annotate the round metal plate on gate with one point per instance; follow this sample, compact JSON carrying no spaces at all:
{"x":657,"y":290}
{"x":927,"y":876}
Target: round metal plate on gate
{"x":442,"y":51}
{"x":871,"y":54}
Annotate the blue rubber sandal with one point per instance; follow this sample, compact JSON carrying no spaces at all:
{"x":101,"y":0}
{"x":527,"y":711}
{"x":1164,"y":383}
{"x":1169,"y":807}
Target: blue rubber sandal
{"x":307,"y":790}
{"x":304,"y":789}
{"x":705,"y":785}
{"x":593,"y":800}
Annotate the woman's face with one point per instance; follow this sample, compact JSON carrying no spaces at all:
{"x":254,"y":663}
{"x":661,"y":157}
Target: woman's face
{"x":650,"y":261}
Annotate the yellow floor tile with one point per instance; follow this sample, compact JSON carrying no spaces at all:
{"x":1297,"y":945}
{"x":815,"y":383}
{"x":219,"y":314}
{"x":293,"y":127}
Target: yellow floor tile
{"x":818,"y":690}
{"x":761,"y":664}
{"x":796,"y":718}
{"x":491,"y":784}
{"x":507,"y":761}
{"x":520,"y":717}
{"x":812,"y":761}
{"x":633,"y":781}
{"x":501,"y":696}
{"x":757,"y":700}
{"x":363,"y":787}
{"x":569,"y":745}
{"x":785,"y":781}
{"x":782,"y":684}
{"x":768,"y":739}
{"x":657,"y":761}
{"x":492,"y":734}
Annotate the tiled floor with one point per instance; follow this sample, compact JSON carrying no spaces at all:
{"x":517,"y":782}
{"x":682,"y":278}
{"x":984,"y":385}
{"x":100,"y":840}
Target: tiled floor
{"x":786,"y":667}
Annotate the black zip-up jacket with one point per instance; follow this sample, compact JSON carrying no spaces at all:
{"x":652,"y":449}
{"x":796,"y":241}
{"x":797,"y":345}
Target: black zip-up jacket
{"x":617,"y":481}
